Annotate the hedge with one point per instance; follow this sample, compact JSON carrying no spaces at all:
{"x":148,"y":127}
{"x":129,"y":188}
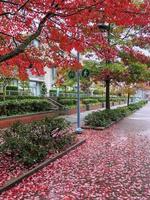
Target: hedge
{"x":13,"y":107}
{"x":71,"y":102}
{"x":90,"y":101}
{"x":85,"y":100}
{"x":105,"y":117}
{"x":12,"y":87}
{"x":68,"y":102}
{"x":20,"y":97}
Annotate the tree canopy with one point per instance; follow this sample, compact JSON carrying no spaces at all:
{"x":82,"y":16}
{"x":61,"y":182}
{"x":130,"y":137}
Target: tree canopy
{"x":59,"y":26}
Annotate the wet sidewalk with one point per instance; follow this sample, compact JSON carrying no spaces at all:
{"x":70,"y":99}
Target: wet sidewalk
{"x":113,"y":164}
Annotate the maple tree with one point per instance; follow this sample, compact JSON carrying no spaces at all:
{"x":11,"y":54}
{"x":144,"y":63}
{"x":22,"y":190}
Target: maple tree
{"x":137,"y":70}
{"x":60,"y":26}
{"x":118,"y":36}
{"x":109,"y":73}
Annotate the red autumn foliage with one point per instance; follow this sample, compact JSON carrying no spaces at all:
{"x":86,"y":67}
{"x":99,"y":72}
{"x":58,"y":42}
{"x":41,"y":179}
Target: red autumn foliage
{"x":60,"y":26}
{"x":136,"y":56}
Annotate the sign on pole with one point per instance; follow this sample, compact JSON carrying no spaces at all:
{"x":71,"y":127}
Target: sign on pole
{"x":85,"y":73}
{"x":71,"y":74}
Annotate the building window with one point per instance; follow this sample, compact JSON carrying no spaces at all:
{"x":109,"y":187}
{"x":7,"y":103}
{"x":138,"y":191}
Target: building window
{"x":33,"y":88}
{"x":14,"y":82}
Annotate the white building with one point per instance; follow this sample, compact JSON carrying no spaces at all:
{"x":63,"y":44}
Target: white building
{"x":35,"y":82}
{"x":33,"y":85}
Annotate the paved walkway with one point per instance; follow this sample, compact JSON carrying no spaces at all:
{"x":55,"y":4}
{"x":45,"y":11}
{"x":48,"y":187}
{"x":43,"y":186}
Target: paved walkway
{"x":112,"y":165}
{"x":73,"y":117}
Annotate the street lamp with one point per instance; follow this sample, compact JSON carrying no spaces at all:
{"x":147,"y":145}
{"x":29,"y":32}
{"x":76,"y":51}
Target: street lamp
{"x":103,"y":27}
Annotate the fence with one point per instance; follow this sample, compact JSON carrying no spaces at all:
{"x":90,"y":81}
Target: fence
{"x":16,"y":93}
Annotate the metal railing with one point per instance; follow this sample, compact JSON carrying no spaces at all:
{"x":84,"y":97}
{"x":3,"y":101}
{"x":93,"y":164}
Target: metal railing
{"x":56,"y":104}
{"x":69,"y":94}
{"x":17,"y":92}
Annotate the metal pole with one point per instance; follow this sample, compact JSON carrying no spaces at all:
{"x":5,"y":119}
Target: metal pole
{"x":78,"y":129}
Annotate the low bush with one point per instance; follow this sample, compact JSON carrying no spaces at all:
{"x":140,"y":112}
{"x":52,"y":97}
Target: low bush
{"x":29,"y":97}
{"x":31,"y":143}
{"x":105,"y":117}
{"x":97,"y":119}
{"x":16,"y":97}
{"x":68,"y":102}
{"x":71,"y":101}
{"x":98,"y":92}
{"x":12,"y":87}
{"x":65,"y":92}
{"x":136,"y":106}
{"x":13,"y":107}
{"x":90,"y":101}
{"x":102,"y":99}
{"x":116,"y":99}
{"x":99,"y":98}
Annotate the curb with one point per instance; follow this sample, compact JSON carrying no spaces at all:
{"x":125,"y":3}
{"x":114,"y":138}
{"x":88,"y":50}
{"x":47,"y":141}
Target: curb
{"x":13,"y":182}
{"x":92,"y":127}
{"x":100,"y":128}
{"x":27,"y":114}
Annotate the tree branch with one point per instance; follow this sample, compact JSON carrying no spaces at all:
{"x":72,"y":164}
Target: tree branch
{"x":9,"y":13}
{"x":23,"y":45}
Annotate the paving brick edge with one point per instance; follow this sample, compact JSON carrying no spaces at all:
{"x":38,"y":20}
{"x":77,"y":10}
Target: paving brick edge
{"x":102,"y":128}
{"x":13,"y":182}
{"x":28,"y":114}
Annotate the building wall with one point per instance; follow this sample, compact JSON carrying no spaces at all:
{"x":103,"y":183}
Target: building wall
{"x":35,"y":82}
{"x":49,"y":78}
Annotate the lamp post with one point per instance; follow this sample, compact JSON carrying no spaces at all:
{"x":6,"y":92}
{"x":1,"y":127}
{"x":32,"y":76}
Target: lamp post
{"x":78,"y":128}
{"x":84,"y":73}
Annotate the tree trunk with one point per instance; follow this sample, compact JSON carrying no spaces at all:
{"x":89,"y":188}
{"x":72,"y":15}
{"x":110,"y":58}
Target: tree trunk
{"x":107,"y":82}
{"x":128,"y":101}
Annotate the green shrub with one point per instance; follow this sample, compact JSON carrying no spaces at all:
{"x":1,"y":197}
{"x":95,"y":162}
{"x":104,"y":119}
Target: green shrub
{"x":13,"y":107}
{"x":53,"y":90}
{"x":105,"y":117}
{"x":135,"y":106}
{"x":43,"y":90}
{"x":98,"y":92}
{"x":97,"y":119}
{"x":29,"y":97}
{"x":12,"y":87}
{"x":112,"y":115}
{"x":73,"y":101}
{"x":17,"y":97}
{"x":68,"y":102}
{"x":90,"y":101}
{"x":102,"y":99}
{"x":31,"y":143}
{"x":71,"y":97}
{"x":117,"y":99}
